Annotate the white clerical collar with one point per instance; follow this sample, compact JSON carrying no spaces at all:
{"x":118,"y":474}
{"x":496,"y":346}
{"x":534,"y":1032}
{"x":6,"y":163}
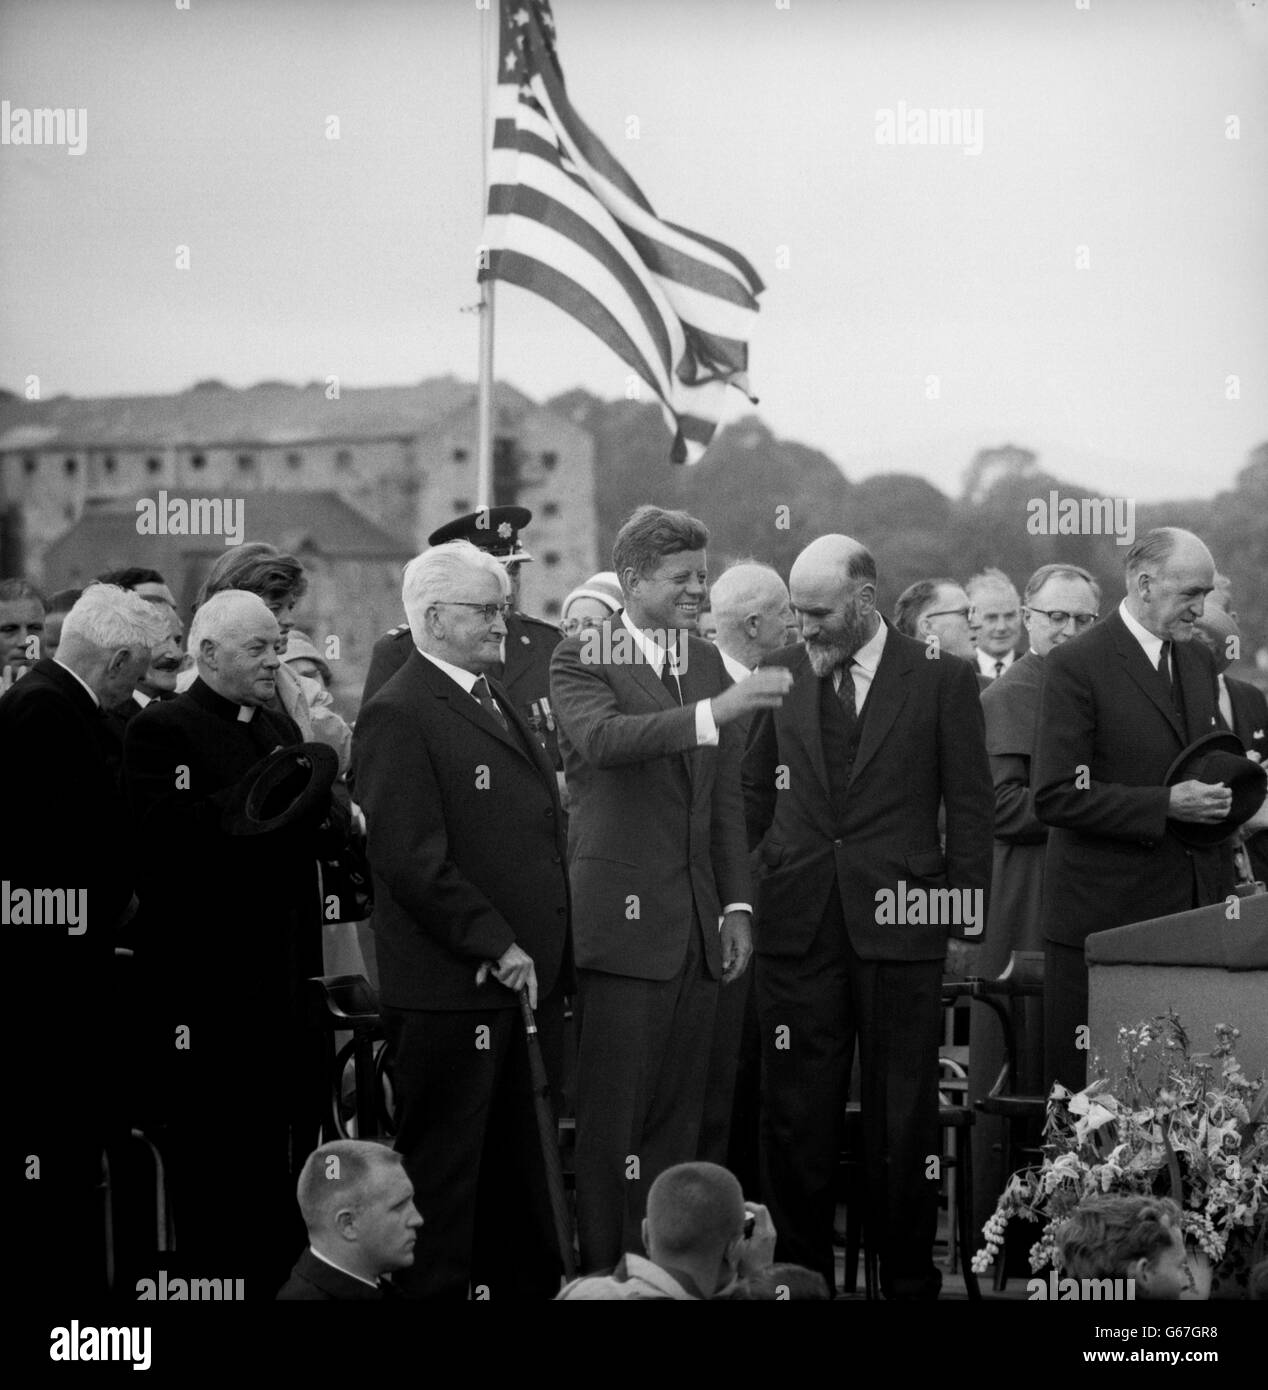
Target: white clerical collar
{"x":373,"y":1283}
{"x":58,"y":661}
{"x":466,"y":679}
{"x":1152,"y":645}
{"x":735,"y":669}
{"x":652,"y":651}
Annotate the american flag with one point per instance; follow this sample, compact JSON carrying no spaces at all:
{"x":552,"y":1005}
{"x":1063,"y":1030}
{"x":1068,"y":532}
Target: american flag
{"x":568,"y":223}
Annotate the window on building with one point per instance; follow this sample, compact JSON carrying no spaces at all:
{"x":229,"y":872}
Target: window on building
{"x":461,"y":505}
{"x":553,"y":607}
{"x":246,"y":462}
{"x":71,"y":466}
{"x":549,"y":460}
{"x":461,"y":455}
{"x":153,"y":465}
{"x":110,"y":464}
{"x":30,"y":464}
{"x":343,"y":458}
{"x":294,"y":460}
{"x":550,"y":508}
{"x":198,"y":461}
{"x":551,"y":557}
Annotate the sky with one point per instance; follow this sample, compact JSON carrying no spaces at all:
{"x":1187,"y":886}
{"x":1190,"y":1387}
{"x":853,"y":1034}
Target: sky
{"x":1091,"y":283}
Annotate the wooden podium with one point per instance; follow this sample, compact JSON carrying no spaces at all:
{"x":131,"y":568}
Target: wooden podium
{"x":1206,"y":965}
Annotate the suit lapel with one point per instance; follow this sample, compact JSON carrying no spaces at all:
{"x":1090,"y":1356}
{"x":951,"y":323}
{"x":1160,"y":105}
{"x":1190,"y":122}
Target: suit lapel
{"x":1137,"y":666}
{"x":884,"y":701}
{"x":1197,"y":689}
{"x":469,"y":708}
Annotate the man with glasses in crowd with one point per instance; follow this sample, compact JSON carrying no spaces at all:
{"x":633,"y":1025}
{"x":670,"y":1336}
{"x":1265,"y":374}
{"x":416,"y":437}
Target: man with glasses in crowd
{"x":938,"y":612}
{"x":1060,"y":601}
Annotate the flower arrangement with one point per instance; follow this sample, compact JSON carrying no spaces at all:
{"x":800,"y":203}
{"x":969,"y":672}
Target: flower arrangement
{"x":1175,"y":1123}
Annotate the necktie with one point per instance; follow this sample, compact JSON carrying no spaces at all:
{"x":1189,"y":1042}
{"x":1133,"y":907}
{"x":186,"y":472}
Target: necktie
{"x":482,"y":693}
{"x":1164,"y":664}
{"x":669,"y":678}
{"x":999,"y":669}
{"x":846,"y":695}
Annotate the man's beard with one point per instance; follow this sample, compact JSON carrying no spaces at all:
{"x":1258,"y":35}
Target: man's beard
{"x":827,"y":654}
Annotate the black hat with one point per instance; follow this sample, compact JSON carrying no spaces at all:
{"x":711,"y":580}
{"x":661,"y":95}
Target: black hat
{"x":1218,"y":757}
{"x":495,"y":529}
{"x":287,"y":787}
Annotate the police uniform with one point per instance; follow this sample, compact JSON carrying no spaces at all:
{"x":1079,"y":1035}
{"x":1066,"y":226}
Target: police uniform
{"x":524,"y":672}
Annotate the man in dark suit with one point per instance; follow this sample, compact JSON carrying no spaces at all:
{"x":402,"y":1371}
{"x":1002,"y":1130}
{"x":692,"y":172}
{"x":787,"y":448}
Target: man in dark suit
{"x":860,"y":907}
{"x":69,"y":880}
{"x":1120,"y":702}
{"x":229,"y":1046}
{"x":753,"y":618}
{"x":1243,"y":709}
{"x":358,"y":1205}
{"x":1060,"y":601}
{"x":657,"y":860}
{"x":470,"y":906}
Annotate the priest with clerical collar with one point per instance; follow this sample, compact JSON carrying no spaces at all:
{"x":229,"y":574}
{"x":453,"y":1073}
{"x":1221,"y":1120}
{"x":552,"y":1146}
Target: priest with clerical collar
{"x":231,"y":932}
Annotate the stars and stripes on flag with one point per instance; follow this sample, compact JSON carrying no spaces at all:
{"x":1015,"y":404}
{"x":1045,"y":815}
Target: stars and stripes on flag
{"x":566,"y":221}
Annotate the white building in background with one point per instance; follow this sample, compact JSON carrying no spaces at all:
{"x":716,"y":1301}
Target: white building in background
{"x":402,"y":456}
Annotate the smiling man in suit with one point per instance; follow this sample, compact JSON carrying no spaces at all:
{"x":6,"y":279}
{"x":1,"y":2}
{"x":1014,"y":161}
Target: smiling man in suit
{"x":842,"y":788}
{"x":659,"y":868}
{"x":470,"y":905}
{"x":1120,"y":702}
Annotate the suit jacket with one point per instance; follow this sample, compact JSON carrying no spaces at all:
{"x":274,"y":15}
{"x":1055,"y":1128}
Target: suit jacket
{"x":1250,"y":724}
{"x":1011,"y":709}
{"x":525,"y":674}
{"x":465,"y":842}
{"x":313,"y":1280}
{"x":921,"y":745}
{"x":656,"y":836}
{"x":67,"y":828}
{"x":1112,"y":858}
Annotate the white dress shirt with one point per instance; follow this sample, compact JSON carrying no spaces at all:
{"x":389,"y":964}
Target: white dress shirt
{"x":862,"y":665}
{"x":373,"y":1283}
{"x":466,"y":679}
{"x":654,"y":655}
{"x":1151,"y":645}
{"x":986,"y":662}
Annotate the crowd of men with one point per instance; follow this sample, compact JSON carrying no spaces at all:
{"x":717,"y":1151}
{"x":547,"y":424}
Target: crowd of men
{"x":745,"y":865}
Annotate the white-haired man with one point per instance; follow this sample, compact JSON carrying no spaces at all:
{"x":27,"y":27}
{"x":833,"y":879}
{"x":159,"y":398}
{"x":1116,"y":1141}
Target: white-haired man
{"x":471,"y":905}
{"x":69,"y":881}
{"x":358,"y":1204}
{"x":212,"y":1032}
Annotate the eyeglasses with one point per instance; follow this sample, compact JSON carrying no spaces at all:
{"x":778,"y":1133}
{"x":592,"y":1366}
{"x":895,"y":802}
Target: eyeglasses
{"x":1058,"y":617}
{"x":949,"y":613}
{"x":571,"y":626}
{"x":488,"y":611}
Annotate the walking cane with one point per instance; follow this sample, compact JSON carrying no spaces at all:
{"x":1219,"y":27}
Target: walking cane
{"x":548,"y":1133}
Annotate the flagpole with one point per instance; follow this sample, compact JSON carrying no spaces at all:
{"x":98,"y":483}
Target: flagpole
{"x":484,"y":400}
{"x":484,"y":395}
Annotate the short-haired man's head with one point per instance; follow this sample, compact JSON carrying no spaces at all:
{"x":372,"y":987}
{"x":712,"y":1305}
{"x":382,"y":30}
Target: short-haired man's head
{"x":22,"y":611}
{"x":149,"y":583}
{"x":751,"y":611}
{"x":648,"y":536}
{"x":1133,"y":1237}
{"x":1069,"y":592}
{"x":997,"y":610}
{"x":913,"y":602}
{"x":832,"y":587}
{"x":358,"y":1204}
{"x":694,"y":1211}
{"x":1169,"y":574}
{"x":235,"y":639}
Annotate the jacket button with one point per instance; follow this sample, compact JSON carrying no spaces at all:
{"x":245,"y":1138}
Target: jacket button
{"x":838,"y":842}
